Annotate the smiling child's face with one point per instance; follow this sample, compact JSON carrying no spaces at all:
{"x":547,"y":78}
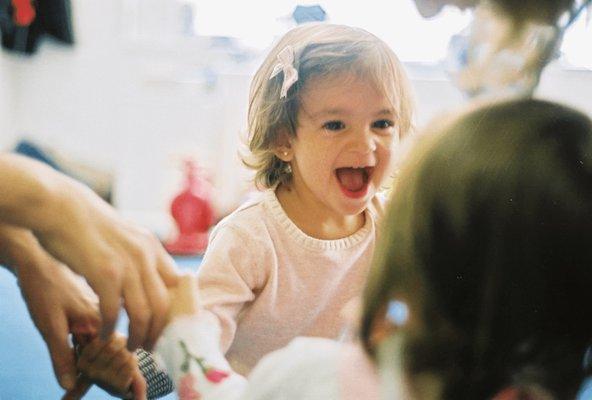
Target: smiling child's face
{"x":344,"y":139}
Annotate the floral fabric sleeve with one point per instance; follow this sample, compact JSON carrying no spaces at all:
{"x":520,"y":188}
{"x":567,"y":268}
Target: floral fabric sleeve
{"x":189,"y":351}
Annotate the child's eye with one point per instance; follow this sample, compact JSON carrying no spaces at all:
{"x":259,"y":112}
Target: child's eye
{"x":383,"y":124}
{"x":334,"y":125}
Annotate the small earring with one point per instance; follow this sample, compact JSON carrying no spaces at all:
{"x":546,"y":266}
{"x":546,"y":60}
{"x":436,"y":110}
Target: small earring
{"x":285,"y":153}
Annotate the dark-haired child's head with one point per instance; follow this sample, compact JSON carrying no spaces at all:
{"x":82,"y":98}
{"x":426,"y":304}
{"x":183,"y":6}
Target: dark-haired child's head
{"x":488,"y":243}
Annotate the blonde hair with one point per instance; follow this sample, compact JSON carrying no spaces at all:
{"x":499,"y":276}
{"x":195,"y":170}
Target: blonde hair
{"x":320,"y":50}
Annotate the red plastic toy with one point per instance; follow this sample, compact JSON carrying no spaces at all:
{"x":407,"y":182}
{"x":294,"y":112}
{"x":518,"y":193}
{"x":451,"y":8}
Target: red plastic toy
{"x":24,"y":12}
{"x":193,"y":214}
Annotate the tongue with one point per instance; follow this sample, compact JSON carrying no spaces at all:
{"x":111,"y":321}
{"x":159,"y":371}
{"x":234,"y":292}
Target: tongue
{"x":351,"y":179}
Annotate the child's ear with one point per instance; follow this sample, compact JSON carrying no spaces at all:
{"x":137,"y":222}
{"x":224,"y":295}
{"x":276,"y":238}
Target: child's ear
{"x":283,"y":148}
{"x":283,"y":153}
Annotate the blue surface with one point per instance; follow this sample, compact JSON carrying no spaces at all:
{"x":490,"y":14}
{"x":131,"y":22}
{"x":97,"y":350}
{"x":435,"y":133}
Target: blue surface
{"x":25,"y":366}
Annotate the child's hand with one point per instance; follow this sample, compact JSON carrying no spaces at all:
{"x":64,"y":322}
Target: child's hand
{"x":112,"y":367}
{"x":184,"y":297}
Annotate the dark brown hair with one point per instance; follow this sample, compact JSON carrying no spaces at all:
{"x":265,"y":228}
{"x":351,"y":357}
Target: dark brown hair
{"x":489,"y":241}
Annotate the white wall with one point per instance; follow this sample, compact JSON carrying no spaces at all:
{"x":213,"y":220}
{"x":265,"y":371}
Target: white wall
{"x":435,"y":93}
{"x":6,"y":133}
{"x":573,"y":88}
{"x":117,"y":103}
{"x":135,"y":106}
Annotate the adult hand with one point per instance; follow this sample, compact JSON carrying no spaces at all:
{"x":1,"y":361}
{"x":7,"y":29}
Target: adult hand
{"x":59,"y":301}
{"x":118,"y":260}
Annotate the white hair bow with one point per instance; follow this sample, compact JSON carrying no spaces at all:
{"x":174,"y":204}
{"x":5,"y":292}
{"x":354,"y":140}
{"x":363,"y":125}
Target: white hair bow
{"x":286,"y":65}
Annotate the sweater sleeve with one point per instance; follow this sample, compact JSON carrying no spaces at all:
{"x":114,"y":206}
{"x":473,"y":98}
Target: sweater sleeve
{"x":230,"y":274}
{"x":189,"y":351}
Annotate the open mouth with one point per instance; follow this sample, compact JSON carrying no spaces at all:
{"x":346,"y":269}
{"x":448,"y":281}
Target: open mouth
{"x":354,"y":181}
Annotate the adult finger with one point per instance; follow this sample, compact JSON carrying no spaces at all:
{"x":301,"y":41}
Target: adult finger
{"x":84,"y":332}
{"x":158,"y":298}
{"x":62,"y":355}
{"x":108,"y":287}
{"x":138,"y":311}
{"x":85,"y":321}
{"x":167,"y":275}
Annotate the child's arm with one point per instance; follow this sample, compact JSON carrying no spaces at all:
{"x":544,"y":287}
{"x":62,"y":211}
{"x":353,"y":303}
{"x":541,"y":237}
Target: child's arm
{"x":190,"y":351}
{"x":233,"y":269}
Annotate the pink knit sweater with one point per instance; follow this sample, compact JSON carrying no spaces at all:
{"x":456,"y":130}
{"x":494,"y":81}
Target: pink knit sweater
{"x":267,"y":282}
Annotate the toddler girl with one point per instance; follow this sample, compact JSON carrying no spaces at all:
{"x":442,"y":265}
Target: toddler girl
{"x":326,"y":109}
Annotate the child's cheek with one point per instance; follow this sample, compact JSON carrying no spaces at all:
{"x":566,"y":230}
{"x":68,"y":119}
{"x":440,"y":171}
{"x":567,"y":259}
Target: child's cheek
{"x":385,"y":163}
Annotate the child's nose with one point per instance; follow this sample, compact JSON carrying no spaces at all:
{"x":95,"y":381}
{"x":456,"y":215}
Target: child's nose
{"x":364,"y":141}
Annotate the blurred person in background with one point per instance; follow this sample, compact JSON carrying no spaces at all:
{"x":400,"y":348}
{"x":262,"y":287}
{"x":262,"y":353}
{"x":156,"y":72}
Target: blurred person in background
{"x":505,"y":49}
